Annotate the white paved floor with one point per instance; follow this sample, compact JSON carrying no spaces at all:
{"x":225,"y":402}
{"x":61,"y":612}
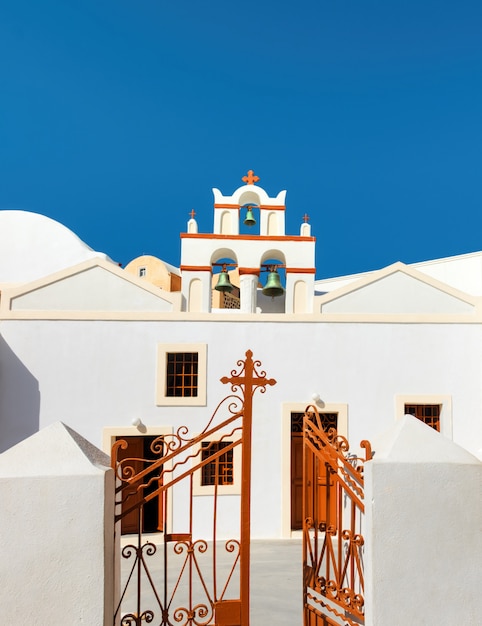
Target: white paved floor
{"x":276,"y":583}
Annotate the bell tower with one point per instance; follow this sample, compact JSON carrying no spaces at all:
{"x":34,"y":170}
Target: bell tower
{"x":256,"y":256}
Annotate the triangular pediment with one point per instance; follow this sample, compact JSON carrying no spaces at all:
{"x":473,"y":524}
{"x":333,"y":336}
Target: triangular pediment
{"x":94,"y":285}
{"x":56,"y":450}
{"x":409,"y":440}
{"x":397,"y":290}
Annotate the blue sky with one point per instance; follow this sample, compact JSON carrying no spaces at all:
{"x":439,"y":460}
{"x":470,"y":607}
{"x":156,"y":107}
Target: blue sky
{"x":118,"y":117}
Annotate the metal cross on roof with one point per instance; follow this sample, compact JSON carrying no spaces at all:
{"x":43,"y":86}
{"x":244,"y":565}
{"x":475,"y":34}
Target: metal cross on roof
{"x":192,"y":214}
{"x":251,"y":178}
{"x":306,"y":218}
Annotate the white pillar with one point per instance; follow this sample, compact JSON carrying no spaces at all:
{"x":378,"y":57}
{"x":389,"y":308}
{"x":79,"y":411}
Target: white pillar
{"x":248,"y":284}
{"x":423,"y":496}
{"x":57,"y":521}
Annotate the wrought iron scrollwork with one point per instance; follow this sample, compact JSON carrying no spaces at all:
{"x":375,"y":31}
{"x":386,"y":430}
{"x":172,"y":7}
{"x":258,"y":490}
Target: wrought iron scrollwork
{"x":184,"y":563}
{"x":332,"y":538}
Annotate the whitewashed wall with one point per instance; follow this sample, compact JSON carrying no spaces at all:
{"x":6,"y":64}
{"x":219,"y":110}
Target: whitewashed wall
{"x":103,"y":373}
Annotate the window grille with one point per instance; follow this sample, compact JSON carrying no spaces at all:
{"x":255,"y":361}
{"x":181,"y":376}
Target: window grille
{"x":182,"y":374}
{"x":328,"y":420}
{"x":427,"y":413}
{"x":220,"y":471}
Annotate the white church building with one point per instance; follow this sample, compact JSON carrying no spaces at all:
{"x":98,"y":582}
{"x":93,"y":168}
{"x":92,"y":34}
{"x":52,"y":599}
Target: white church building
{"x":100,"y":348}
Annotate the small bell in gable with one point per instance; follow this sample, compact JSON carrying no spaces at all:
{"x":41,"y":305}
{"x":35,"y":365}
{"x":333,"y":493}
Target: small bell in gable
{"x":249,"y":219}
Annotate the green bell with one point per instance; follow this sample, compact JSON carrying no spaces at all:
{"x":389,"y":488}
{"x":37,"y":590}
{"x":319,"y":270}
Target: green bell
{"x":273,"y":286}
{"x":249,"y":219}
{"x":224,"y":284}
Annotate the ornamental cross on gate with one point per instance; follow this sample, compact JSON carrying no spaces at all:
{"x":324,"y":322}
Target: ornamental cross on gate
{"x":248,"y":379}
{"x":251,"y":380}
{"x":152,"y":480}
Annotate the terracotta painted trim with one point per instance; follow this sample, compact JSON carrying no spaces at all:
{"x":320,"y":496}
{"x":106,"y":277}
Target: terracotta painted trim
{"x":196,"y":268}
{"x":253,"y":271}
{"x":300,"y":270}
{"x":246,"y":237}
{"x":273,"y":207}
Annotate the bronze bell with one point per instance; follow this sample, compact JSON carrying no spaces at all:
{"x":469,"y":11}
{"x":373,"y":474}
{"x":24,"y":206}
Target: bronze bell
{"x":249,"y":219}
{"x":224,"y":284}
{"x":273,"y":286}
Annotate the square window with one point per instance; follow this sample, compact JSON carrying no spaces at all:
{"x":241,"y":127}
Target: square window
{"x":219,"y":471}
{"x":427,"y":413}
{"x":142,"y":272}
{"x":181,"y":375}
{"x":433,"y":410}
{"x":221,"y":452}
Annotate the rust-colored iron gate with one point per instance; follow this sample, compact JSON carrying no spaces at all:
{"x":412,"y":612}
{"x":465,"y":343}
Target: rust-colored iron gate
{"x":332,"y":533}
{"x":186,"y":580}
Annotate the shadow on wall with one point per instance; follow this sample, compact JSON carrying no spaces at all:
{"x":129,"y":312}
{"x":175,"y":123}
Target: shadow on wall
{"x":19,"y":399}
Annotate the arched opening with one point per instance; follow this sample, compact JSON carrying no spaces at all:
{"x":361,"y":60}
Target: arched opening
{"x":249,"y":219}
{"x":225,"y":292}
{"x":272,"y":294}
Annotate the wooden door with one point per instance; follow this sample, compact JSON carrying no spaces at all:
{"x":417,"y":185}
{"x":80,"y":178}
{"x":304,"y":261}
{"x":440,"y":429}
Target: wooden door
{"x":296,"y":481}
{"x":326,"y":496}
{"x":323,"y":498}
{"x":134,"y":451}
{"x":139,"y":452}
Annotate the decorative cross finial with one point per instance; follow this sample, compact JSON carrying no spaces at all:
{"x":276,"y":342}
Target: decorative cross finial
{"x":249,"y":378}
{"x":251,"y":178}
{"x":306,"y":218}
{"x":192,"y":214}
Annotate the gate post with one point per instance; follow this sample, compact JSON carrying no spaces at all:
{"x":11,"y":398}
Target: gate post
{"x":57,"y":519}
{"x":424,"y":511}
{"x":248,"y":379}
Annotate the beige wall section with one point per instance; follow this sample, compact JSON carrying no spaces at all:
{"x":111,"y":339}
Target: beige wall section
{"x":195,"y":295}
{"x":226,"y":223}
{"x":272,"y":224}
{"x":155,"y":271}
{"x":299,"y":297}
{"x":288,"y":409}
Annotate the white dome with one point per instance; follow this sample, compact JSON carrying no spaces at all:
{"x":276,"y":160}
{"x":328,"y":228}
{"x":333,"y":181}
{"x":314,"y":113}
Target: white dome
{"x":33,"y":246}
